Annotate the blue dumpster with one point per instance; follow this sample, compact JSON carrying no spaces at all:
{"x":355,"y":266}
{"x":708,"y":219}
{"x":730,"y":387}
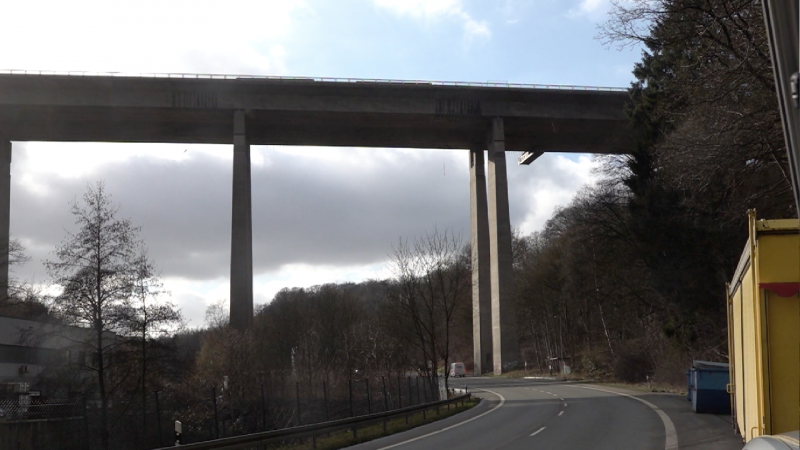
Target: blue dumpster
{"x":707,"y":387}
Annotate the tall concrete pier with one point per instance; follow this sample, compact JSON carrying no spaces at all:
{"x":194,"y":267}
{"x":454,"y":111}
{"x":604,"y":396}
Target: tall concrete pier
{"x":241,"y":301}
{"x":481,"y":271}
{"x":505,"y":343}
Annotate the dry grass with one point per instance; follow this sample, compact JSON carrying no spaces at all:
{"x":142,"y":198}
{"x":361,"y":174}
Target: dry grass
{"x":668,"y":388}
{"x":344,"y":438}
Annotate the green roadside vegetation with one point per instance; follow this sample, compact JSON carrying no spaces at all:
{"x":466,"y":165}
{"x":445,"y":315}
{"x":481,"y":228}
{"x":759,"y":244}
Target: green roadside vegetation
{"x":344,"y":438}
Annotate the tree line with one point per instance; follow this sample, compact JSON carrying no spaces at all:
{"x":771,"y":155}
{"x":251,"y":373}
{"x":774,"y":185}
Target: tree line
{"x":628,"y":280}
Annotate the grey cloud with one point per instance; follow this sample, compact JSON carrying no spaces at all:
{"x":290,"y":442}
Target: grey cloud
{"x":304,"y":211}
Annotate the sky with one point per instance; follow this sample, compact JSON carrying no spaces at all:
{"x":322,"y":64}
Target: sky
{"x":320,"y":215}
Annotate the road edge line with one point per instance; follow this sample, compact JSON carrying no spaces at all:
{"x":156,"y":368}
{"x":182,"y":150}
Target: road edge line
{"x":669,"y":427}
{"x":502,"y":401}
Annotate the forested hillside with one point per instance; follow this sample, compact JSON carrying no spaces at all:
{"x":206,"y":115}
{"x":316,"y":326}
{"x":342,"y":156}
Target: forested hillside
{"x":629,"y":279}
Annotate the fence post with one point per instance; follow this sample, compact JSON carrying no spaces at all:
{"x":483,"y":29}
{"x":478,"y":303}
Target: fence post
{"x":86,"y":422}
{"x":369,"y":399}
{"x":158,"y":420}
{"x":410,"y":393}
{"x":418,"y":397}
{"x":385,"y":401}
{"x":385,"y":397}
{"x":325,"y":395}
{"x":297,"y":396}
{"x":399,"y":393}
{"x":216,"y":416}
{"x":350,"y":394}
{"x":263,"y":410}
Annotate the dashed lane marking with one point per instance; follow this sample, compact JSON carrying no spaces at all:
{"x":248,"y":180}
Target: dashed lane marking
{"x":538,"y":431}
{"x":559,"y":414}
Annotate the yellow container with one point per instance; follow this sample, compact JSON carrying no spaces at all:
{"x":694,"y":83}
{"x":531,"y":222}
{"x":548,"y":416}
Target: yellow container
{"x":764,"y":330}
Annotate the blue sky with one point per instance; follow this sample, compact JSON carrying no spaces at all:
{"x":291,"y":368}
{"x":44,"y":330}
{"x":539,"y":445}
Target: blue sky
{"x":313,"y":223}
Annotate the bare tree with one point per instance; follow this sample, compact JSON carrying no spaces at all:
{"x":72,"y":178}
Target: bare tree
{"x":95,"y":269}
{"x":151,"y":315}
{"x":432,"y":278}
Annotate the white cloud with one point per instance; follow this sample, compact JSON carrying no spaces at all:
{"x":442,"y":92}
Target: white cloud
{"x":555,"y":181}
{"x":432,"y":10}
{"x":147,"y":35}
{"x":594,"y":10}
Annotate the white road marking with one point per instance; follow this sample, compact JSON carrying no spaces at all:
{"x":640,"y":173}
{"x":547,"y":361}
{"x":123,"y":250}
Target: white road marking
{"x":565,"y":404}
{"x":559,"y":414}
{"x":538,"y":431}
{"x":561,"y":399}
{"x":502,"y":401}
{"x":669,"y":427}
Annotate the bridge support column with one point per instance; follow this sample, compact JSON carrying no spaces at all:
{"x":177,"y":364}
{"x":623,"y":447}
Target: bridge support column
{"x":241,"y":301}
{"x":5,"y":213}
{"x":481,"y":275}
{"x":504,"y":337}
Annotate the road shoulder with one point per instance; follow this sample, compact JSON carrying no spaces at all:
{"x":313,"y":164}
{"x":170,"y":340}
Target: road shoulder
{"x":695,"y":431}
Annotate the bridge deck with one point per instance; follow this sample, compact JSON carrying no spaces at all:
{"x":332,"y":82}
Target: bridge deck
{"x":290,"y":111}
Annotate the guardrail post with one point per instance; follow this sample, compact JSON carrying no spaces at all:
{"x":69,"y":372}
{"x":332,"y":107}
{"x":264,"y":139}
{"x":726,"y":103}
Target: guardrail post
{"x":369,"y":399}
{"x":216,"y":417}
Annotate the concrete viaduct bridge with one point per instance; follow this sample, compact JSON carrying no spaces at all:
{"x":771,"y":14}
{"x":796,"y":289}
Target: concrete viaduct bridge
{"x":244,"y":111}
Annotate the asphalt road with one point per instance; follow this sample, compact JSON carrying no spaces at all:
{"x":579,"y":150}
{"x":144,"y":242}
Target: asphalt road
{"x":525,"y":414}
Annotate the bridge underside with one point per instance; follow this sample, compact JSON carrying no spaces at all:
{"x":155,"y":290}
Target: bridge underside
{"x":108,"y":124}
{"x":246,"y":111}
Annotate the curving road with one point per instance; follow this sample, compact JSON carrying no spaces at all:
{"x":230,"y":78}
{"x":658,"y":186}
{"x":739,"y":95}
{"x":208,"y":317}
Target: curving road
{"x":524,"y":414}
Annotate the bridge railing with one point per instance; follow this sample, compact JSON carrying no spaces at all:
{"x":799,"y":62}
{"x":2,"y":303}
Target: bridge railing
{"x":201,"y":76}
{"x":354,"y":423}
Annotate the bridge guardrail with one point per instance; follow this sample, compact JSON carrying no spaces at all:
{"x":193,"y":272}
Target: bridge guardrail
{"x":304,"y":431}
{"x":205,"y":76}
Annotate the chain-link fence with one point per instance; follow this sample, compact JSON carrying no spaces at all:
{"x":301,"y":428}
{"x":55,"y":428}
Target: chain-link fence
{"x":143,"y":422}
